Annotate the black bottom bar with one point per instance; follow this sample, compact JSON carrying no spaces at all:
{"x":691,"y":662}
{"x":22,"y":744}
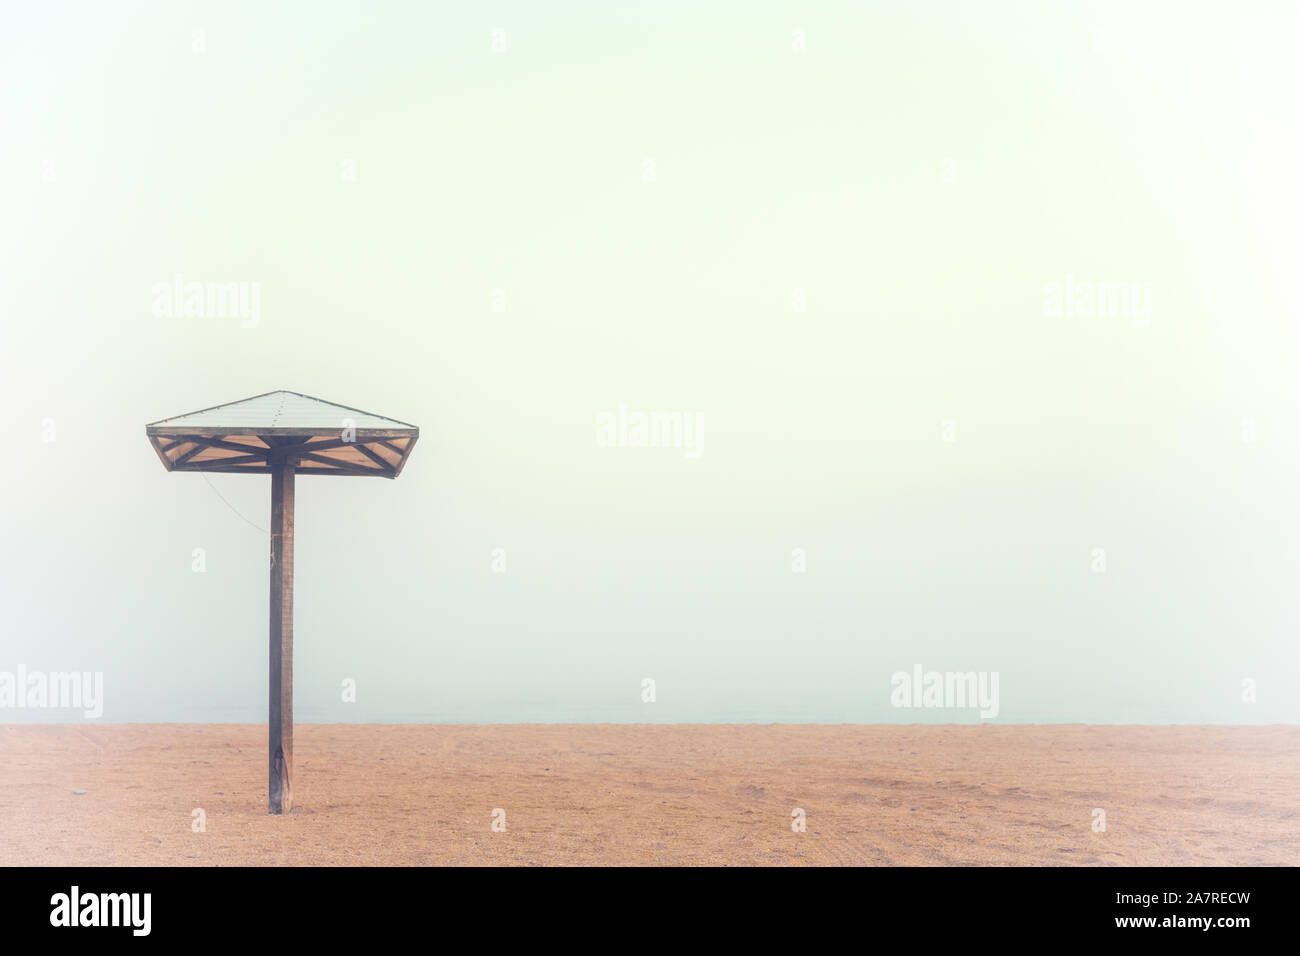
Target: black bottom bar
{"x":1165,"y":906}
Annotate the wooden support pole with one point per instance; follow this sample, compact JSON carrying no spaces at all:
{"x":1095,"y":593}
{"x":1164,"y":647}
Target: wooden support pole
{"x":280,"y":720}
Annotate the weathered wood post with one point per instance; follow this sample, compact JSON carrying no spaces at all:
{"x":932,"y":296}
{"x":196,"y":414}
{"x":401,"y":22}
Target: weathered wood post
{"x":280,"y":720}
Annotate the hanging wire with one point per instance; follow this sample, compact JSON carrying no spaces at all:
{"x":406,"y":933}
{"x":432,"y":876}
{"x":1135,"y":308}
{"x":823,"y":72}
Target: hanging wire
{"x":229,"y":505}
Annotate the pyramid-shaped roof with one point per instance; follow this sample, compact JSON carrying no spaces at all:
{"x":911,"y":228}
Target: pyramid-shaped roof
{"x":251,"y":434}
{"x":280,"y":409}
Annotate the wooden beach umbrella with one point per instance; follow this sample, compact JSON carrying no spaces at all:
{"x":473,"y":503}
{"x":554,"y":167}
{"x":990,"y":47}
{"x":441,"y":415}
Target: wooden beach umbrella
{"x":283,"y":434}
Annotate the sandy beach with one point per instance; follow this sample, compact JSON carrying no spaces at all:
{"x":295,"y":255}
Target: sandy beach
{"x":419,"y":795}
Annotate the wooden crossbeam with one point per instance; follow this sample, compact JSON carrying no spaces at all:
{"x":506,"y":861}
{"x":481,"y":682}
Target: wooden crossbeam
{"x":341,"y":465}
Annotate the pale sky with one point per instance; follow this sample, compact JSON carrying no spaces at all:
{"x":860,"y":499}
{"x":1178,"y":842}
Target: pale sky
{"x":828,"y":233}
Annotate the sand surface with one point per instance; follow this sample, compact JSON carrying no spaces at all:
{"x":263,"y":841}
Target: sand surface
{"x":653,"y":794}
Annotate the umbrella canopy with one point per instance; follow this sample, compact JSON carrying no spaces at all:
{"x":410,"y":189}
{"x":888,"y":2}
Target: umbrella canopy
{"x":248,"y":436}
